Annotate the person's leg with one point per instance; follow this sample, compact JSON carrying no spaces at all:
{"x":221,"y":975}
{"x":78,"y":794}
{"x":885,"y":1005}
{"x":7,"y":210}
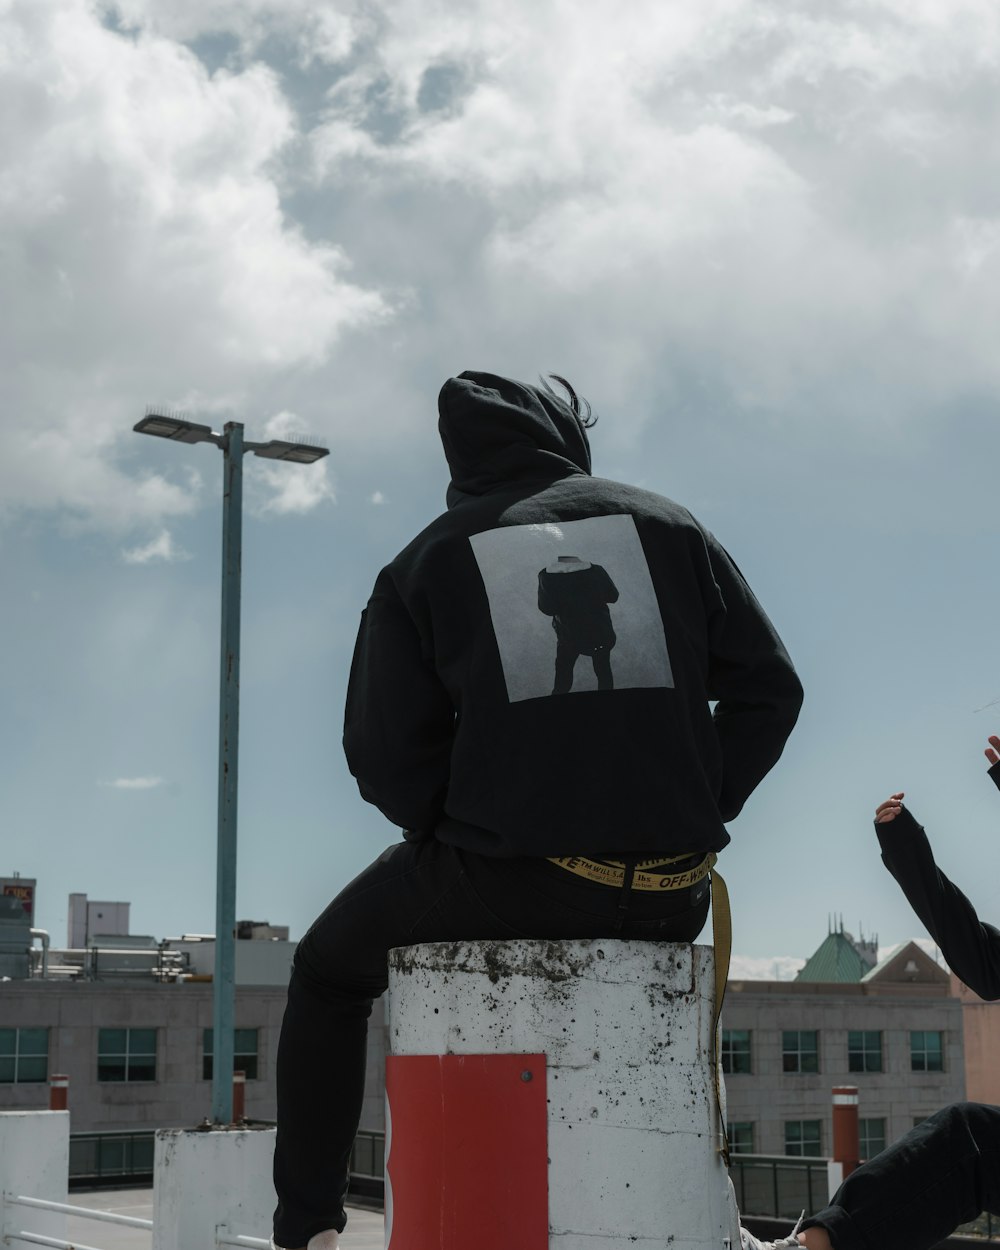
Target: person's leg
{"x":941,"y":1174}
{"x":602,"y":669}
{"x":566,"y":657}
{"x":339,"y":968}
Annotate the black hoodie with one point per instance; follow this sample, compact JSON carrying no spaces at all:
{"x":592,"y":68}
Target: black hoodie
{"x":476,"y":715}
{"x":970,"y":946}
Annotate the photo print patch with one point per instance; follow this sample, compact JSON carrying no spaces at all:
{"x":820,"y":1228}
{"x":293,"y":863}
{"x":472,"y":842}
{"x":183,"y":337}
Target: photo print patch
{"x":573,"y":607}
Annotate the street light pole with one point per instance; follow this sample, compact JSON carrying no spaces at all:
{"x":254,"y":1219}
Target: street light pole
{"x":224,"y":980}
{"x":233,"y":448}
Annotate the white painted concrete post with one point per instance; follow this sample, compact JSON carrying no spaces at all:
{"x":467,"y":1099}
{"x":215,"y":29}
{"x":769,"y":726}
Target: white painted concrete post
{"x":632,"y":1123}
{"x":34,"y":1162}
{"x":204,"y":1180}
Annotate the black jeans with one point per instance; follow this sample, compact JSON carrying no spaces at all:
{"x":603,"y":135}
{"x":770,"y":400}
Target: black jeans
{"x":414,"y":892}
{"x":941,"y":1174}
{"x":566,"y":658}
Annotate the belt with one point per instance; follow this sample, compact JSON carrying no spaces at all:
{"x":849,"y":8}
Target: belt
{"x":615,"y":872}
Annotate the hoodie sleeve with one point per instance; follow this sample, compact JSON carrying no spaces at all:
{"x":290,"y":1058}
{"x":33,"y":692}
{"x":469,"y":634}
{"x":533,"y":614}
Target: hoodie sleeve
{"x":971,"y":947}
{"x":751,"y":676}
{"x":399,"y":721}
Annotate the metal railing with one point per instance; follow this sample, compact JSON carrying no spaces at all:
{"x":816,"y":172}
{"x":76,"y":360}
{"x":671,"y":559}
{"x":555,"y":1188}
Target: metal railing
{"x":778,"y":1185}
{"x":223,"y":1235}
{"x":26,"y":1237}
{"x":108,"y":963}
{"x":104,"y":1157}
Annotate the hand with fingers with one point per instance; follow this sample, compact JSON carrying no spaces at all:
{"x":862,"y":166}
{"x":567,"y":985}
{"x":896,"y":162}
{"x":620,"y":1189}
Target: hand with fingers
{"x":993,"y":750}
{"x":891,"y":808}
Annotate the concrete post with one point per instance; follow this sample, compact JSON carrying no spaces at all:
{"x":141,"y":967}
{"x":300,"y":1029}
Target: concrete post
{"x":58,"y":1092}
{"x":846,"y":1136}
{"x":568,"y":1083}
{"x":209,"y":1179}
{"x":34,"y":1163}
{"x":239,"y":1097}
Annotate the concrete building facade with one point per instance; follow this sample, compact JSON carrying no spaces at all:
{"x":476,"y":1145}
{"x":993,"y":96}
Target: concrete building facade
{"x":981,"y":1024}
{"x":897,"y":1034}
{"x":135,"y":1053}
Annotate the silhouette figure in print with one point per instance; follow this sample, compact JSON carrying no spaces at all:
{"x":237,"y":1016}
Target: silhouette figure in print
{"x":576,"y":595}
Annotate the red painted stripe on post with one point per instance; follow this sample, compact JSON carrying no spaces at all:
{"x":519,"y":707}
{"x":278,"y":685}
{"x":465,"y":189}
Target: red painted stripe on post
{"x":58,"y":1092}
{"x":467,"y":1159}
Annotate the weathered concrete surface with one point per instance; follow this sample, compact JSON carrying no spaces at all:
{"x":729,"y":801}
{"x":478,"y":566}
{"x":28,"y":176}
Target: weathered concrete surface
{"x":205,"y":1179}
{"x":626,"y":1027}
{"x":34,"y":1162}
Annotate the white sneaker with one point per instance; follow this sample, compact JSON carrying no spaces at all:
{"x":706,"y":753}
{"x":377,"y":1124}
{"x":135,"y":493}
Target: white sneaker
{"x":749,"y":1242}
{"x":328,"y":1240}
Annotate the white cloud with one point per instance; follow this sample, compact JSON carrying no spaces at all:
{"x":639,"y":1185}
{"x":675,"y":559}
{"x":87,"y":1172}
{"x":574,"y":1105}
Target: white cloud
{"x":293,"y":488}
{"x":377,"y":497}
{"x":135,"y":783}
{"x":162,"y":547}
{"x":791,"y":204}
{"x":145,"y":235}
{"x":282,"y":487}
{"x":787,"y":208}
{"x":765,"y":967}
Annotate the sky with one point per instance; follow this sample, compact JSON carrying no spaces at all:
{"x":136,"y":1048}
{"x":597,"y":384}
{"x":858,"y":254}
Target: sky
{"x":762,"y":237}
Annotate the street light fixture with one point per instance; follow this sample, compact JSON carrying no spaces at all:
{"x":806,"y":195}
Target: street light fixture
{"x":233,"y":447}
{"x":173,"y":427}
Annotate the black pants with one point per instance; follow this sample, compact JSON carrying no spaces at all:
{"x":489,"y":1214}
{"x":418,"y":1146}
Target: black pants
{"x":414,"y":892}
{"x":566,"y":658}
{"x":941,"y":1174}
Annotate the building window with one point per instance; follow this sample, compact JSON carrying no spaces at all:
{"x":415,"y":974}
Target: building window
{"x":740,"y":1134}
{"x":802,"y":1137}
{"x":871,"y":1135}
{"x":864,"y":1051}
{"x":926,"y":1051}
{"x":244,"y":1058}
{"x":799,"y":1051}
{"x":126,"y":1054}
{"x":24,"y":1056}
{"x":735,"y":1050}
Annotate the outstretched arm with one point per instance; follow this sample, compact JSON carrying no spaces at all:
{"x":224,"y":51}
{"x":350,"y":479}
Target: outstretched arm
{"x":970,"y":946}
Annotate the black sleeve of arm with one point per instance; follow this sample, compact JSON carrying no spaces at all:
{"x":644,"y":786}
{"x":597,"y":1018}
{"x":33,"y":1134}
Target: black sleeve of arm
{"x":399,"y":721}
{"x":751,"y":676}
{"x":970,"y":947}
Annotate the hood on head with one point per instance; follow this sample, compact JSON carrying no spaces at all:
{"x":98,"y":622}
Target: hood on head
{"x":496,"y":432}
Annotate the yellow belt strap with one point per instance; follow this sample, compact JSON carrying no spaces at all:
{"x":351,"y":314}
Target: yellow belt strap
{"x":722,"y":940}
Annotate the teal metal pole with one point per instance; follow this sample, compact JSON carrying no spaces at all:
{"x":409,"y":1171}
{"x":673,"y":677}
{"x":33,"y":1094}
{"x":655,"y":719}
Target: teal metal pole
{"x":224,"y":980}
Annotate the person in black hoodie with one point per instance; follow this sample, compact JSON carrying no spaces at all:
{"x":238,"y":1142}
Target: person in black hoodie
{"x":578,"y":606}
{"x":525,"y":813}
{"x":946,"y":1170}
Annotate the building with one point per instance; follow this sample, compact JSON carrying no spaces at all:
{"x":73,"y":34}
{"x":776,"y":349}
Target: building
{"x":893,"y":1029}
{"x":981,"y":1024}
{"x":129,"y":1020}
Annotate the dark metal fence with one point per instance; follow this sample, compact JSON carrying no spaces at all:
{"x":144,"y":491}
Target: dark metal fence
{"x":105,"y":1158}
{"x":775,"y":1186}
{"x":779,"y":1185}
{"x":110,"y":1158}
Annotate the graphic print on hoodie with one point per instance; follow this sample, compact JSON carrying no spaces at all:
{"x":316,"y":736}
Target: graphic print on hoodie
{"x":573,"y":607}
